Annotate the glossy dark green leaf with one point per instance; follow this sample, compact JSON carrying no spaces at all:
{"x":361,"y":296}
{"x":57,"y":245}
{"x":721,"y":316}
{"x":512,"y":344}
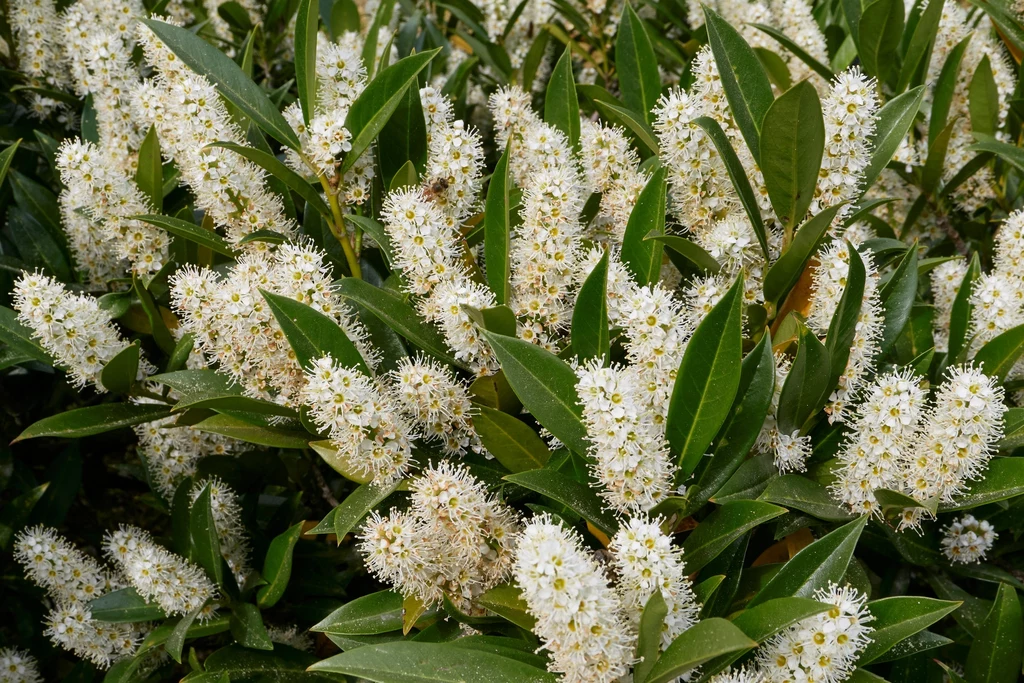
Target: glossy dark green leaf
{"x":648,"y":643}
{"x":935,"y":160}
{"x":561,"y":106}
{"x":689,"y":250}
{"x":545,"y":384}
{"x":277,"y":566}
{"x":5,"y":158}
{"x":998,"y":356}
{"x":792,"y":142}
{"x":355,"y":507}
{"x":815,"y":566}
{"x":381,"y":20}
{"x":580,"y":498}
{"x":995,"y":654}
{"x":897,"y":296}
{"x":189,"y":231}
{"x":797,"y":492}
{"x":801,"y":54}
{"x":176,"y":640}
{"x":636,"y":64}
{"x":35,"y":245}
{"x":511,"y":441}
{"x":312,"y":334}
{"x":746,"y":85}
{"x":1003,"y":479}
{"x":247,"y":627}
{"x":920,"y":46}
{"x":149,"y":175}
{"x":259,"y":434}
{"x":124,"y":606}
{"x":894,"y":120}
{"x":41,"y":203}
{"x":15,"y":513}
{"x":749,"y":480}
{"x":945,"y":89}
{"x":402,"y":144}
{"x":366,"y":615}
{"x":962,"y":311}
{"x":75,"y":424}
{"x":640,"y":255}
{"x":881,"y":25}
{"x":723,"y":526}
{"x":374,"y":107}
{"x":590,"y":335}
{"x":898,"y":618}
{"x":1013,"y":429}
{"x":620,"y":116}
{"x":807,"y":383}
{"x":785,"y":272}
{"x":119,"y":374}
{"x":707,"y":380}
{"x":19,"y":338}
{"x":497,"y":319}
{"x":701,"y":642}
{"x":231,"y":81}
{"x":205,"y":541}
{"x":776,"y":68}
{"x":306,"y":24}
{"x":498,"y":229}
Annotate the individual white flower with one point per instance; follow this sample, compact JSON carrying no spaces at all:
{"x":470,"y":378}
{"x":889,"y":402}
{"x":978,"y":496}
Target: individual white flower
{"x":791,"y":452}
{"x":439,"y":405}
{"x":967,"y":539}
{"x":18,"y":666}
{"x":72,"y":327}
{"x":647,"y":561}
{"x":371,"y":435}
{"x":884,"y":431}
{"x":580,"y":619}
{"x":823,"y":647}
{"x":630,"y":455}
{"x":227,"y":518}
{"x":946,"y":280}
{"x":963,"y":428}
{"x":175,"y":584}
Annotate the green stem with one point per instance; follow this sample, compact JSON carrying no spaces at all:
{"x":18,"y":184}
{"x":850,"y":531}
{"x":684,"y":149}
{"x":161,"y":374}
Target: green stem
{"x":338,"y":230}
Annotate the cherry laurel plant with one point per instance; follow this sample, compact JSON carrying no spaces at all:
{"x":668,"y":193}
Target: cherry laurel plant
{"x":516,"y":341}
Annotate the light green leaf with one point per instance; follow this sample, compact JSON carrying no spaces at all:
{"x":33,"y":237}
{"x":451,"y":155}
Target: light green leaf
{"x":920,"y":47}
{"x":6,"y":156}
{"x":124,"y":606}
{"x":506,"y":600}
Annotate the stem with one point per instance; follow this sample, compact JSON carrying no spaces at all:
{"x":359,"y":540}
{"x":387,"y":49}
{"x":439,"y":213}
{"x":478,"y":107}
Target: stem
{"x":338,"y":230}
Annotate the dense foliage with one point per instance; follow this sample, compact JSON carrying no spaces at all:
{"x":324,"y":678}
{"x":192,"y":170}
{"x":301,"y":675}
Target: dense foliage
{"x":523,"y":340}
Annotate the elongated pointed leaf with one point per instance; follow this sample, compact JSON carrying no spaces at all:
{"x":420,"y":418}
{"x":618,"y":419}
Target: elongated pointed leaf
{"x":723,"y":526}
{"x":149,"y":175}
{"x":960,"y":316}
{"x":897,"y":300}
{"x":881,"y":25}
{"x":641,"y":256}
{"x":118,"y":375}
{"x":580,"y":498}
{"x":189,"y":231}
{"x":6,"y":157}
{"x":75,"y":424}
{"x":690,"y":250}
{"x":945,"y":89}
{"x":701,"y":642}
{"x":898,"y":618}
{"x":801,"y":54}
{"x":998,"y":356}
{"x":306,"y":24}
{"x":277,"y":566}
{"x":793,"y":139}
{"x":995,"y":653}
{"x":920,"y":46}
{"x":620,"y":116}
{"x":785,"y":272}
{"x":498,"y":229}
{"x":312,"y":334}
{"x":124,"y":606}
{"x":205,"y":542}
{"x":636,"y":64}
{"x":648,"y":643}
{"x":511,"y":441}
{"x":894,"y":121}
{"x":590,"y":336}
{"x":561,"y":106}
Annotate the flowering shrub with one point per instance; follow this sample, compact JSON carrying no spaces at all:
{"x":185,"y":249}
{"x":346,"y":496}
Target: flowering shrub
{"x":512,"y":342}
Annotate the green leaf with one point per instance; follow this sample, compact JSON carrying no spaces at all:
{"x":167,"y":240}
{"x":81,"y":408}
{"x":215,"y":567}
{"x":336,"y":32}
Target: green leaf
{"x":74,"y":424}
{"x":247,"y":627}
{"x":507,"y":601}
{"x":801,"y":54}
{"x":920,"y":45}
{"x":261,"y":435}
{"x":14,"y":515}
{"x":35,"y":244}
{"x":41,"y":203}
{"x":306,"y":24}
{"x":312,"y":334}
{"x":1013,"y":429}
{"x":366,"y":615}
{"x":707,"y":380}
{"x":511,"y":441}
{"x":843,"y":327}
{"x":176,"y":640}
{"x":399,"y":316}
{"x":339,"y":463}
{"x":402,"y":144}
{"x":124,"y":606}
{"x":119,"y":374}
{"x":19,"y":338}
{"x":894,"y":120}
{"x":776,"y":68}
{"x":620,"y":116}
{"x":5,"y":158}
{"x":590,"y":337}
{"x":984,"y":100}
{"x":800,"y":493}
{"x":498,"y":229}
{"x":545,"y":384}
{"x":701,"y":642}
{"x":420,"y":662}
{"x":807,"y":383}
{"x":936,"y":159}
{"x":898,"y":618}
{"x":561,"y":106}
{"x":897,"y":296}
{"x":189,"y":231}
{"x":497,"y":319}
{"x":741,"y":428}
{"x":205,"y":542}
{"x":785,"y":273}
{"x":723,"y":526}
{"x":945,"y":88}
{"x":817,"y":564}
{"x":375,"y":105}
{"x":878,"y":37}
{"x":357,"y":505}
{"x":995,"y":653}
{"x":381,"y":19}
{"x":636,"y":64}
{"x":277,"y":169}
{"x":1004,"y":479}
{"x":746,"y":85}
{"x":640,"y":256}
{"x":689,"y":250}
{"x":579,"y":497}
{"x":648,"y":643}
{"x":919,"y":642}
{"x":792,"y":143}
{"x":962,"y":311}
{"x":749,"y":481}
{"x":229,"y":78}
{"x":277,"y":566}
{"x":998,"y":356}
{"x":737,"y":175}
{"x":894,"y":503}
{"x":208,"y":389}
{"x":149,"y":175}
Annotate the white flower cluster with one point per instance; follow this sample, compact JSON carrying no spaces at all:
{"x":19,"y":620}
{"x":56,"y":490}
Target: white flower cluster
{"x":455,"y":541}
{"x":37,"y":40}
{"x":372,"y":436}
{"x":646,"y":561}
{"x":631,"y":460}
{"x":823,"y":647}
{"x":436,"y":402}
{"x":580,"y":618}
{"x":946,"y":280}
{"x":189,"y":114}
{"x":790,"y":450}
{"x":830,"y":279}
{"x":98,"y":201}
{"x":885,"y":429}
{"x":222,"y":28}
{"x":72,"y":327}
{"x":171,"y":452}
{"x":18,"y":666}
{"x":997,"y":297}
{"x":227,"y":518}
{"x":612,"y":167}
{"x":175,"y":584}
{"x":234,"y":325}
{"x":72,"y":579}
{"x":967,"y":539}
